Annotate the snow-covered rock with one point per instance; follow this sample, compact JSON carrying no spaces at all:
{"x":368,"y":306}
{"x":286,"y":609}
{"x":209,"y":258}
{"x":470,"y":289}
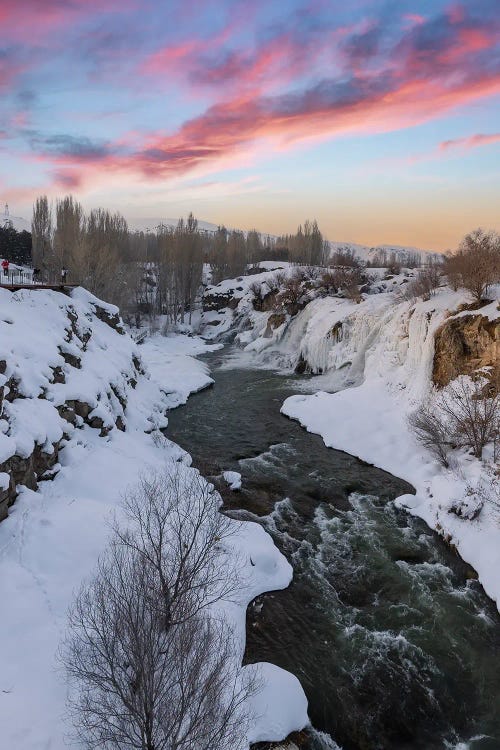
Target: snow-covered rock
{"x":233,"y":478}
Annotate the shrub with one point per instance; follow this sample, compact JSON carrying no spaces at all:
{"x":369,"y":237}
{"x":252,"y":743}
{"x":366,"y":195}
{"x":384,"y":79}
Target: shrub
{"x":425,"y":283}
{"x":432,"y":431}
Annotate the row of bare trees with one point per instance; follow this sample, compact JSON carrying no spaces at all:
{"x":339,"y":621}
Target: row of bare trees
{"x":90,"y":246}
{"x":137,"y":271}
{"x":152,"y":272}
{"x":307,"y":246}
{"x":161,"y":272}
{"x":150,"y":664}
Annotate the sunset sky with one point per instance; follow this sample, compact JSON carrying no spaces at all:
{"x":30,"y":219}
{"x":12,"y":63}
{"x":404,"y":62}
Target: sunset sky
{"x":379,"y":118}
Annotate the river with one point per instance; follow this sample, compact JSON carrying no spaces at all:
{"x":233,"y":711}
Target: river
{"x":392,"y":637}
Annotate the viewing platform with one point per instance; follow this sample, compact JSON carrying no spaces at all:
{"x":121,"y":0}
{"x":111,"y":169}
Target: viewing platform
{"x":61,"y":287}
{"x":22,"y":278}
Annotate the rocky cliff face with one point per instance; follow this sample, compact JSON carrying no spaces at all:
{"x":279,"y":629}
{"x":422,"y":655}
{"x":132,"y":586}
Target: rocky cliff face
{"x":464,"y":344}
{"x":66,"y":364}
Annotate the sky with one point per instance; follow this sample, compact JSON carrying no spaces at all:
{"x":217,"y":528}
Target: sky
{"x":381,"y":119}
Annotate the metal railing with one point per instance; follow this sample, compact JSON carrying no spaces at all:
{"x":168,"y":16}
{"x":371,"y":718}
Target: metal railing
{"x":16,"y":276}
{"x":24,"y":277}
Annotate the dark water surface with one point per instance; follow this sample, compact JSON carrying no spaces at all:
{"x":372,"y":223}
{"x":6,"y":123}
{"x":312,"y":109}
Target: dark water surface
{"x":394,"y":641}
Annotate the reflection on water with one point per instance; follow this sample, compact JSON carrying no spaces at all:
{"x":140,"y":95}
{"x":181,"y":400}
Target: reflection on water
{"x":392,"y":638}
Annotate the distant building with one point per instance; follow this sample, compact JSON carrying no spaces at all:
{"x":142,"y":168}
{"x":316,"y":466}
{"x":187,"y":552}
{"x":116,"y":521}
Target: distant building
{"x":7,"y":222}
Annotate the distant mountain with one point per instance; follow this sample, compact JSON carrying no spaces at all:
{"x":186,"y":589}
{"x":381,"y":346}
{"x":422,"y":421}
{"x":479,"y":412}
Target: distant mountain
{"x":403,"y":254}
{"x":151,"y":224}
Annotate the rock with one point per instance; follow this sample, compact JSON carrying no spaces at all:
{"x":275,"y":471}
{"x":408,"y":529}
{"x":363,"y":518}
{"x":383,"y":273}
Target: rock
{"x":70,"y":359}
{"x":97,"y":423}
{"x":467,"y":508}
{"x":464,"y":345}
{"x":113,"y":320}
{"x":265,"y":303}
{"x":275,"y":321}
{"x":217,"y":301}
{"x":138,"y":365}
{"x":25,"y":471}
{"x":337,"y":332}
{"x":233,"y":479}
{"x":58,"y":375}
{"x":120,"y":424}
{"x":67,"y":413}
{"x":81,"y":409}
{"x":121,"y":398}
{"x":13,"y":389}
{"x":301,"y":367}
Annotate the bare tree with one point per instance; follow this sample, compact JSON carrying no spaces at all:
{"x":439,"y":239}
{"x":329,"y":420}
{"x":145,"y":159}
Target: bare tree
{"x":137,"y":683}
{"x":345,"y":279}
{"x":432,"y":431}
{"x":175,"y":525}
{"x":465,"y":414}
{"x":41,"y":232}
{"x":425,"y":284}
{"x":473,"y":416}
{"x":345,"y":256}
{"x":70,"y":225}
{"x":150,"y":666}
{"x":306,"y":245}
{"x":476,"y":264}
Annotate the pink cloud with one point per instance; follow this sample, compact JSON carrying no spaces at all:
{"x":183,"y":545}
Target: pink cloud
{"x":471,"y":141}
{"x":209,"y":64}
{"x":10,"y":68}
{"x":228,"y":132}
{"x":40,"y":18}
{"x":431,"y":71}
{"x":171,"y":58}
{"x":456,"y":13}
{"x":414,"y":18}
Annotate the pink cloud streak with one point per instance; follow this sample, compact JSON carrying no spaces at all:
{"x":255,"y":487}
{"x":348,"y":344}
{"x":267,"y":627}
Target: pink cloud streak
{"x":471,"y":141}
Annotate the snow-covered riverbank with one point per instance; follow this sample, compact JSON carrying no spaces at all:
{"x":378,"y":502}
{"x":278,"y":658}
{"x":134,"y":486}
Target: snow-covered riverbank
{"x":52,"y":537}
{"x":370,"y":422}
{"x":374,"y":362}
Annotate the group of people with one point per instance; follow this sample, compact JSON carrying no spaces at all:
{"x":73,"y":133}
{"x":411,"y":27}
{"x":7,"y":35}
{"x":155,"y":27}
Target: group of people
{"x":35,"y":276}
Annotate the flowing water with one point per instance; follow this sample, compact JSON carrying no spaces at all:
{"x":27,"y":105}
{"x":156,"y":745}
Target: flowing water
{"x":394,"y":641}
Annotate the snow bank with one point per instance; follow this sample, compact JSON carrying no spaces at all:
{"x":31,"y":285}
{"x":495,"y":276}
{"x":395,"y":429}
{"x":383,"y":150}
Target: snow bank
{"x":51,"y":538}
{"x":282,"y":690}
{"x":170,"y":360}
{"x":387,"y":353}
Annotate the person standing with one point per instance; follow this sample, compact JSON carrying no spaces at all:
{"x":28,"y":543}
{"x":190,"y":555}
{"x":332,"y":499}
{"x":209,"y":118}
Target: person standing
{"x":5,"y":266}
{"x":64,"y":275}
